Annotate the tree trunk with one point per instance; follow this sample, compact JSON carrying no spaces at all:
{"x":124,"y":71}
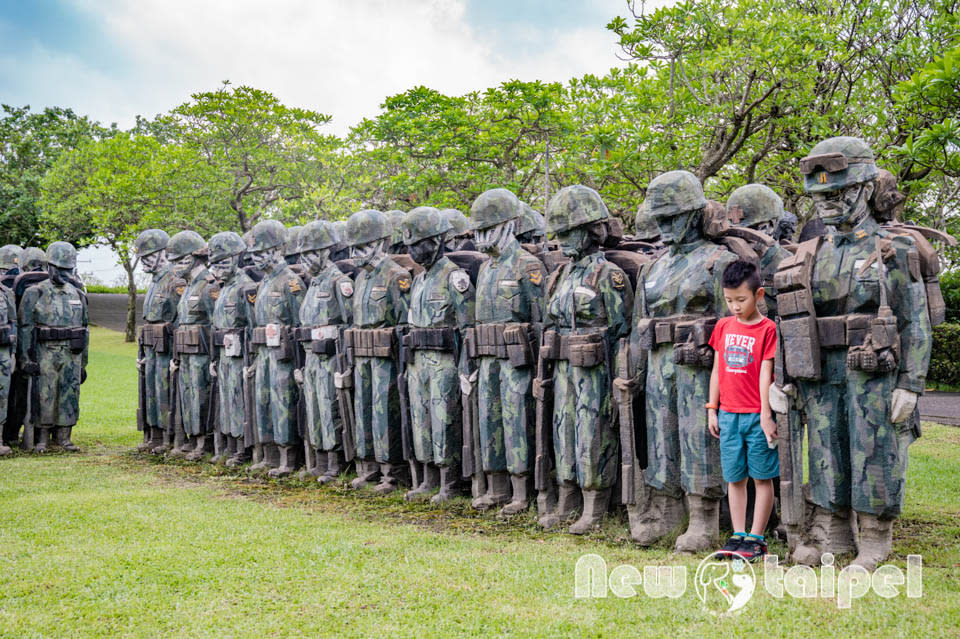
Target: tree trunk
{"x":131,"y":332}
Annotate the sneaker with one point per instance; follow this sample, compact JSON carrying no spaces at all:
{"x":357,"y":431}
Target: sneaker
{"x":752,"y":549}
{"x":730,"y":548}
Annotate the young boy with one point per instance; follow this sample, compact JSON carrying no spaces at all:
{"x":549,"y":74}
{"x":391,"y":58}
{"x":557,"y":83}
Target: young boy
{"x":738,"y":412}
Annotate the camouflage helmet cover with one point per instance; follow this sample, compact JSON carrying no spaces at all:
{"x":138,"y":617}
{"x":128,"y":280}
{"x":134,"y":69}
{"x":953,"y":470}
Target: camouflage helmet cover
{"x":318,"y":235}
{"x":424,"y":222}
{"x":646,"y":227}
{"x":266,"y":235}
{"x":62,"y":255}
{"x":395,"y":217}
{"x":184,"y":243}
{"x":224,"y":245}
{"x":340,"y":226}
{"x":291,"y":243}
{"x":458,"y":221}
{"x":150,"y":241}
{"x":575,"y":206}
{"x":531,"y":220}
{"x":753,"y":204}
{"x":367,"y":225}
{"x":32,"y":259}
{"x":837,"y":163}
{"x":494,"y":207}
{"x":674,"y":193}
{"x":10,"y":256}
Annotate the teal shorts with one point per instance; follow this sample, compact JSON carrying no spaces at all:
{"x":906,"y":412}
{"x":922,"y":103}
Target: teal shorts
{"x":743,"y":448}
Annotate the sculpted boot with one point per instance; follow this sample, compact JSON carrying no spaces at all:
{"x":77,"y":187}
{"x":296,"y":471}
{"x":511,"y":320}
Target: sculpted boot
{"x":165,"y":444}
{"x":876,"y":541}
{"x":219,"y":448}
{"x":660,"y":515}
{"x":310,"y":457}
{"x":63,"y":439}
{"x":240,"y":454}
{"x":146,"y":444}
{"x":180,"y":444}
{"x":200,"y":442}
{"x":520,"y":502}
{"x":449,"y":484}
{"x":156,"y":439}
{"x":43,"y":440}
{"x":479,"y":482}
{"x":595,"y":504}
{"x":389,"y":479}
{"x":824,"y":531}
{"x":431,"y":481}
{"x":27,"y":443}
{"x":259,"y":458}
{"x":334,"y":467}
{"x":288,"y":461}
{"x":498,"y":492}
{"x":368,"y":471}
{"x":704,"y":527}
{"x":568,"y":503}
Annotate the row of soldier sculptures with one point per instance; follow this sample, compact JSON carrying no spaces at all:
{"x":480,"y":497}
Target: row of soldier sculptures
{"x":574,"y":373}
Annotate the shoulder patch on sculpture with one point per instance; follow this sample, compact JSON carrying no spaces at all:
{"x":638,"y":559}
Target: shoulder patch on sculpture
{"x":618,"y":279}
{"x":346,"y":287}
{"x":294,"y":285}
{"x":403,"y":283}
{"x":251,"y":295}
{"x":214,"y":292}
{"x":460,"y":280}
{"x":535,"y":275}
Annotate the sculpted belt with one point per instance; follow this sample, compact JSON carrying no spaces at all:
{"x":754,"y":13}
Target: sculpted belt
{"x":322,"y":339}
{"x":372,"y":342}
{"x":192,"y":340}
{"x":585,"y":350}
{"x":513,"y":341}
{"x":77,"y":335}
{"x":157,"y":336}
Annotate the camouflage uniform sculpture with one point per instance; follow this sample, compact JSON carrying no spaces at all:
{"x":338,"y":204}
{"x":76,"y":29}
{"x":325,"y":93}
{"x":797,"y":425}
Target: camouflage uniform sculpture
{"x":276,"y":314}
{"x":9,"y":264}
{"x":9,"y":269}
{"x":757,"y":207}
{"x":326,"y":311}
{"x":441,"y":306}
{"x":588,"y":311}
{"x":509,"y":314}
{"x":192,"y":343}
{"x":232,"y":326}
{"x":8,"y":351}
{"x":531,"y":227}
{"x":678,"y":301}
{"x":380,"y":301}
{"x":396,"y":247}
{"x":155,"y":343}
{"x":460,"y":237}
{"x":856,"y":341}
{"x":52,"y":347}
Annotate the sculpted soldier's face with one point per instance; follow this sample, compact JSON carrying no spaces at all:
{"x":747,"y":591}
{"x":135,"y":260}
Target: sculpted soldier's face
{"x":152,"y":263}
{"x":183,"y":266}
{"x":313,"y":261}
{"x":223,"y":270}
{"x":679,"y":229}
{"x":495,"y":239}
{"x":364,"y":253}
{"x":264,"y":260}
{"x":58,"y":275}
{"x":845,"y":208}
{"x":426,"y":252}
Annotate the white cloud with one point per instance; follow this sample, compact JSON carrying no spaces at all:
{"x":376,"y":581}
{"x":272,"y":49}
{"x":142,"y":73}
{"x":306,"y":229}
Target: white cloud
{"x":340,"y":58}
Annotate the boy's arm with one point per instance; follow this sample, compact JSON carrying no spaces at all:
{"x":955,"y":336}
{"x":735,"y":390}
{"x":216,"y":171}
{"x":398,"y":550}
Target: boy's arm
{"x":713,"y":403}
{"x":767,"y":423}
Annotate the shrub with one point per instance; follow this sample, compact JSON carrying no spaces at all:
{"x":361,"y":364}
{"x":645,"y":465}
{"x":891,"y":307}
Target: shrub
{"x":945,"y":358}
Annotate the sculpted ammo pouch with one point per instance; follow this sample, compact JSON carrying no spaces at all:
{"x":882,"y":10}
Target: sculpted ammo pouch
{"x":430,"y":339}
{"x":799,"y":328}
{"x":6,"y":335}
{"x":76,"y":335}
{"x":275,"y":337}
{"x":191,"y":340}
{"x":585,"y":350}
{"x":157,"y":336}
{"x":511,"y":341}
{"x":692,"y":342}
{"x":371,"y":342}
{"x":230,"y":341}
{"x":322,"y":339}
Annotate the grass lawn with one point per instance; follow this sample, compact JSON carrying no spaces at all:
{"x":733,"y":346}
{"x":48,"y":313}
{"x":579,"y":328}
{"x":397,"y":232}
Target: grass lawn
{"x":111,"y":543}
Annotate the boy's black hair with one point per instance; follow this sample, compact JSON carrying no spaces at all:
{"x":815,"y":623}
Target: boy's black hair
{"x":739,"y":272}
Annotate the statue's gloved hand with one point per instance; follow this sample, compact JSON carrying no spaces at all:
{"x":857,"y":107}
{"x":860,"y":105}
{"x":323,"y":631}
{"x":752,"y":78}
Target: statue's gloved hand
{"x":174,"y":365}
{"x":298,"y":376}
{"x":213,"y":369}
{"x":626,"y":384}
{"x":249,"y":371}
{"x":779,"y":402}
{"x":83,"y":375}
{"x":30,"y":368}
{"x":902,"y":404}
{"x":140,"y":363}
{"x":468,"y":383}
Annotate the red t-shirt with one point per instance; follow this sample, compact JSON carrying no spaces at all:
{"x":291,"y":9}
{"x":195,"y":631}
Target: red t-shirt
{"x":742,"y":347}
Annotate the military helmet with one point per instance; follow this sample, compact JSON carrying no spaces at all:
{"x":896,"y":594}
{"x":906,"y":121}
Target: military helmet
{"x":150,"y":241}
{"x":575,"y":206}
{"x":32,"y":259}
{"x":318,"y":235}
{"x":62,"y":255}
{"x":494,"y":207}
{"x":531,"y":220}
{"x":424,"y":222}
{"x":184,"y":243}
{"x":10,"y":256}
{"x":367,"y":226}
{"x":340,"y":226}
{"x":646,"y":227}
{"x":224,"y":245}
{"x":266,"y":235}
{"x":291,"y":243}
{"x":458,"y":221}
{"x":837,"y":163}
{"x":753,"y":204}
{"x":673,"y":193}
{"x":395,"y":217}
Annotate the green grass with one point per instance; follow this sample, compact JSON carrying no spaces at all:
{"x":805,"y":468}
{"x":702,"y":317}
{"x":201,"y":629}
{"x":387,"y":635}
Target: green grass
{"x":117,"y":290}
{"x":111,"y":543}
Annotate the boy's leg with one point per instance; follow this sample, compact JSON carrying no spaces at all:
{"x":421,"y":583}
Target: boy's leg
{"x":737,"y":496}
{"x":762,"y":507}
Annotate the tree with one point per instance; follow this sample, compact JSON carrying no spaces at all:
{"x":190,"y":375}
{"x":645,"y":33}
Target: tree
{"x":29,"y":144}
{"x":259,"y":150}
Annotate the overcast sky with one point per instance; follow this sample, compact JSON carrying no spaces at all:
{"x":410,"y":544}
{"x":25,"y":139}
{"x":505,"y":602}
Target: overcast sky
{"x":114,"y":59}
